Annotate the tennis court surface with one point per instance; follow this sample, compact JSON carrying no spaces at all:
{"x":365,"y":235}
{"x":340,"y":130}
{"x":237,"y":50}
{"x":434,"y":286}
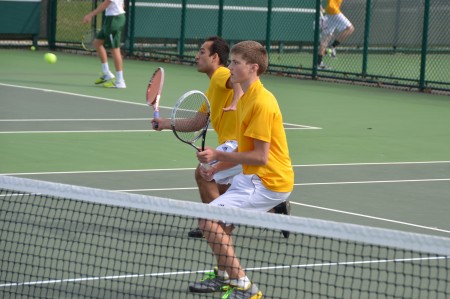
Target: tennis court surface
{"x":90,"y":223}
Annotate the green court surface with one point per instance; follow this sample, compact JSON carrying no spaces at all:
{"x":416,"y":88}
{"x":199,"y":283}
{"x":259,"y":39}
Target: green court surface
{"x":361,"y":155}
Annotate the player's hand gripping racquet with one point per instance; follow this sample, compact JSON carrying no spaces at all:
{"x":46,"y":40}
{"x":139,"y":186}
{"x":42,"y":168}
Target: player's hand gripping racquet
{"x":190,"y":119}
{"x":154,"y":90}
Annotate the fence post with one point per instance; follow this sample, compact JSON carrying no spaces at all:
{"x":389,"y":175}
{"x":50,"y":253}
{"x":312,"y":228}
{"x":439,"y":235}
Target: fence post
{"x":316,"y":39}
{"x":366,"y":38}
{"x":220,"y":19}
{"x":132,"y":15}
{"x":183,"y":28}
{"x":268,"y":25}
{"x":52,"y":8}
{"x":426,"y":16}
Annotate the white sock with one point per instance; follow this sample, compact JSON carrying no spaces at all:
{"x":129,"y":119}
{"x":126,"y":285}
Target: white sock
{"x":105,"y":68}
{"x":223,"y":273}
{"x":242,"y":282}
{"x":119,"y":76}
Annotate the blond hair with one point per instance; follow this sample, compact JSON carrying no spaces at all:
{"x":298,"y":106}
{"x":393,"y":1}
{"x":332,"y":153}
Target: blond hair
{"x":252,"y":52}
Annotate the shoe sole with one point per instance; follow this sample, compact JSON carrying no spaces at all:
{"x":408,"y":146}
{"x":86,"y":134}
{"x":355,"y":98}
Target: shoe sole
{"x":202,"y":291}
{"x":286,"y":211}
{"x":195,"y":235}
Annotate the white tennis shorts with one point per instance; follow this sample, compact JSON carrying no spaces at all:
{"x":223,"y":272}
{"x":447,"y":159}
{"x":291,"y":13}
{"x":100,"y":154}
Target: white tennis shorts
{"x":248,"y":192}
{"x":225,"y":177}
{"x":334,"y":23}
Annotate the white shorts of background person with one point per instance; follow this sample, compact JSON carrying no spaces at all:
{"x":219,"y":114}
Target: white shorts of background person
{"x":334,"y":23}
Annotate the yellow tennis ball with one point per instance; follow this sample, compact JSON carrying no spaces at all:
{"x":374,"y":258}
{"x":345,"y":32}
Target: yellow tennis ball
{"x":50,"y":58}
{"x":33,"y":48}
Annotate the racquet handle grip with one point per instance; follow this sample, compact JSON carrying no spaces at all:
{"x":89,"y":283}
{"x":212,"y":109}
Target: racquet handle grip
{"x":205,"y":166}
{"x":155,"y":115}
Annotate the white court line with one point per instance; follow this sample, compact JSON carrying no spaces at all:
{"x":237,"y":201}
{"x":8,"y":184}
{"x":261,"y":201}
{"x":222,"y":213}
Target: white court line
{"x":373,"y":163}
{"x":328,"y":209}
{"x":300,"y":184}
{"x":97,"y":98}
{"x":373,"y":182}
{"x":86,"y":131}
{"x":254,"y":269}
{"x":192,"y":168}
{"x":73,"y":94}
{"x":72,"y":119}
{"x":371,"y":217}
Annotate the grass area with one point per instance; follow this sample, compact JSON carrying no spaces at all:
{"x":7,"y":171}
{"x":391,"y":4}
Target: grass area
{"x":69,"y":20}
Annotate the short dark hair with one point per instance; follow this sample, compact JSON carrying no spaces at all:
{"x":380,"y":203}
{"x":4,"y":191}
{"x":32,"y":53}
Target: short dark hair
{"x":219,"y":46}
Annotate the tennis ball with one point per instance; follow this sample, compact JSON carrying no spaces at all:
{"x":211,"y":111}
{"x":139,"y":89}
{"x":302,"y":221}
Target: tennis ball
{"x":50,"y":58}
{"x":33,"y":48}
{"x":329,"y":51}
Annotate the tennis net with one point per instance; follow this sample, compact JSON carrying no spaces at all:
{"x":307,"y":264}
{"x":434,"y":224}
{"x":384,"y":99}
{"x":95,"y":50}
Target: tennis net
{"x":69,"y":241}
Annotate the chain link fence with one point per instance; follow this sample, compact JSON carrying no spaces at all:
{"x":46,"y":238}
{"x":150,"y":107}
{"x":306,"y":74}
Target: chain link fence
{"x":395,"y":42}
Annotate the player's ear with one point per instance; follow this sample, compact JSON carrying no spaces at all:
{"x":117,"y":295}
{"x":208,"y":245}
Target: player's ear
{"x":215,"y":56}
{"x":254,"y":67}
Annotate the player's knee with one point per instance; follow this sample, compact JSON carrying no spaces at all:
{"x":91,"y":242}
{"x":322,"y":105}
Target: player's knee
{"x":198,"y":176}
{"x":201,"y":224}
{"x":350,"y":29}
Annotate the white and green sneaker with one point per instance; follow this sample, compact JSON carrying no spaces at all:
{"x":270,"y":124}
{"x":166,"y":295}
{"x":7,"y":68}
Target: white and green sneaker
{"x":115,"y":84}
{"x":105,"y":78}
{"x":210,"y":283}
{"x":234,"y":292}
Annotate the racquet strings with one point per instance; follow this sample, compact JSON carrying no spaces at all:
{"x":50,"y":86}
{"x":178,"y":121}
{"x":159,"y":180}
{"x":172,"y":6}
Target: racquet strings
{"x":191,"y":117}
{"x":153,"y":87}
{"x":88,"y":40}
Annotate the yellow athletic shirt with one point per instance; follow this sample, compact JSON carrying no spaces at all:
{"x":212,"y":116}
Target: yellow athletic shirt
{"x":219,"y":96}
{"x":333,"y":7}
{"x":259,"y":117}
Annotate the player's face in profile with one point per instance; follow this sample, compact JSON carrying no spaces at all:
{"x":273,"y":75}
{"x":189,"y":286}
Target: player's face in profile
{"x":203,"y":58}
{"x":239,"y":69}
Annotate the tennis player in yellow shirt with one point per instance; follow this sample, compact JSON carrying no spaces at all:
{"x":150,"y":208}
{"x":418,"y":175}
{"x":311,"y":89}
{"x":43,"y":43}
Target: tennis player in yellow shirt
{"x":267,"y":178}
{"x":223,"y":96}
{"x":334,"y":21}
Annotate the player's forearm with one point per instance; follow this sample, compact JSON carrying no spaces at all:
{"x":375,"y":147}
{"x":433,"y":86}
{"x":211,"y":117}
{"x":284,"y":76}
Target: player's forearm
{"x":247,"y":158}
{"x":221,"y":166}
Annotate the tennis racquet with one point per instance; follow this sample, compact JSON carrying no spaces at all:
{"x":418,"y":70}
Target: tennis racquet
{"x":87,"y":40}
{"x":154,"y":89}
{"x":190,"y":119}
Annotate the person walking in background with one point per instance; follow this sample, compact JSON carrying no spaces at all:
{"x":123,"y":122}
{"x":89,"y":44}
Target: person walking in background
{"x":334,"y":21}
{"x":109,"y":37}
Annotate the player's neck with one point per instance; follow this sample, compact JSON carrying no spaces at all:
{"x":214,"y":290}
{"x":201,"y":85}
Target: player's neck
{"x":211,"y":72}
{"x":247,"y":83}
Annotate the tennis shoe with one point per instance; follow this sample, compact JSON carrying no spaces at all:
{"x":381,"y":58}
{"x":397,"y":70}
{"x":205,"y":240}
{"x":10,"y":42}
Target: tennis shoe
{"x":105,"y":78}
{"x":115,"y":84}
{"x":322,"y":66}
{"x":210,"y":283}
{"x":196,"y":233}
{"x":252,"y":292}
{"x":284,"y":208}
